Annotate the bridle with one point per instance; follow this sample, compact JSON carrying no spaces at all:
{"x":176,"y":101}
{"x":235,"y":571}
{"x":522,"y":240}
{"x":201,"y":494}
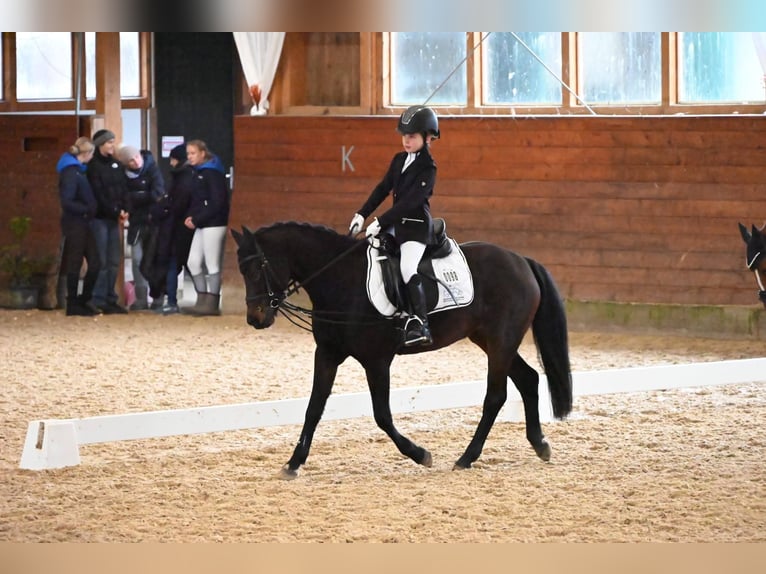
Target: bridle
{"x":277,"y":298}
{"x":752,"y":265}
{"x":274,"y":299}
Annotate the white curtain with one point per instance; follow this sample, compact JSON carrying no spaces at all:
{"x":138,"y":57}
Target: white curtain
{"x":759,"y":39}
{"x":259,"y":53}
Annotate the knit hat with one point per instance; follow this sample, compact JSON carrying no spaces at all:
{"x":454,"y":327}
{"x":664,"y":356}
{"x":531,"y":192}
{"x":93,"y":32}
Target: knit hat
{"x":127,"y":153}
{"x":179,"y":152}
{"x":102,"y":136}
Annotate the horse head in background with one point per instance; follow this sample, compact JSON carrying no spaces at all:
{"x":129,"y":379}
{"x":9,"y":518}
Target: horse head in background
{"x":755,"y":256}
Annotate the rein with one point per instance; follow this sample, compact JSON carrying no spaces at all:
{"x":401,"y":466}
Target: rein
{"x":297,"y":315}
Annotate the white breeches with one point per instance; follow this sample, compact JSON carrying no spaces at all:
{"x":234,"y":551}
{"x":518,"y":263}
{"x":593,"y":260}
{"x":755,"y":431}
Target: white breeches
{"x":411,"y":252}
{"x":206,"y":248}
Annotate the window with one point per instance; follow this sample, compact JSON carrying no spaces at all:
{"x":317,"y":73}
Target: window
{"x":522,"y":68}
{"x":610,"y":72}
{"x":43,"y":65}
{"x":719,"y":67}
{"x":422,"y":62}
{"x":620,"y":67}
{"x":130,"y":65}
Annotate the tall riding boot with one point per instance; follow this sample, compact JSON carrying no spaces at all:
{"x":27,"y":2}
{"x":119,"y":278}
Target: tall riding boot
{"x":416,"y":331}
{"x":141,"y":303}
{"x":74,"y":303}
{"x":200,"y":286}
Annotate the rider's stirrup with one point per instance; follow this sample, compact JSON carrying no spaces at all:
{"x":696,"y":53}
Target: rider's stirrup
{"x":415,"y":332}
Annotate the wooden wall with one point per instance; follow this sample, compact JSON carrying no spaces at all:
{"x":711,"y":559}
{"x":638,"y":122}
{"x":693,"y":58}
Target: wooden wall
{"x":625,"y":209}
{"x":30,"y":146}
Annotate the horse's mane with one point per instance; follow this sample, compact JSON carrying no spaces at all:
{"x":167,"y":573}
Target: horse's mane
{"x":315,"y":228}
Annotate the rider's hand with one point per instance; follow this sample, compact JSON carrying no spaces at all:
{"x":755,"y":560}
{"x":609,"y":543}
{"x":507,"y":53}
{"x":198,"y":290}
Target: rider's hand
{"x":357,"y":222}
{"x":373,"y":228}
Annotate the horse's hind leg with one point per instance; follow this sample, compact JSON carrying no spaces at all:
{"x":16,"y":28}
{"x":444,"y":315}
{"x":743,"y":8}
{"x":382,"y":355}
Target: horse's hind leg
{"x":379,"y":382}
{"x":325,"y":368}
{"x":497,"y":392}
{"x":526,"y":380}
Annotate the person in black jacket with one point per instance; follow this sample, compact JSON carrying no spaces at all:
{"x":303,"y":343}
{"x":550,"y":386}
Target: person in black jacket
{"x":410,"y":177}
{"x":208,"y":216}
{"x":145,"y":187}
{"x":78,"y":207}
{"x":173,"y":239}
{"x":107,"y":179}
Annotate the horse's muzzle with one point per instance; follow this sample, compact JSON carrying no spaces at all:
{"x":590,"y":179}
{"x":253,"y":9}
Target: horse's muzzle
{"x":264,"y":321}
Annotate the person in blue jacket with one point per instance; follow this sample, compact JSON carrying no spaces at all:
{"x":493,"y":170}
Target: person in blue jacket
{"x":78,"y":207}
{"x":208,"y":216}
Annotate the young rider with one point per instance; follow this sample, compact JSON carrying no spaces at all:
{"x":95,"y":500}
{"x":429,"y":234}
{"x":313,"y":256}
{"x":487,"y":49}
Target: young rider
{"x":411,"y":176}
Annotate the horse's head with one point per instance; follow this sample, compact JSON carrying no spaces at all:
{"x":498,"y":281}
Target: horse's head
{"x":755,"y":255}
{"x":263,"y":290}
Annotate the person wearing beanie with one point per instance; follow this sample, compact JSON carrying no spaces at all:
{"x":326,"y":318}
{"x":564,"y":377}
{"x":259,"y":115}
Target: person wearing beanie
{"x":178,"y":155}
{"x":107,"y":180}
{"x":175,"y":238}
{"x":102,"y":136}
{"x":145,"y":187}
{"x":208,"y":216}
{"x":78,"y":207}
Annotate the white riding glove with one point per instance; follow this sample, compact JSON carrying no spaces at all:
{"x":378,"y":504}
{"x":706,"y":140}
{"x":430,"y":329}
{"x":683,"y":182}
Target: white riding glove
{"x":373,"y":228}
{"x":357,"y":222}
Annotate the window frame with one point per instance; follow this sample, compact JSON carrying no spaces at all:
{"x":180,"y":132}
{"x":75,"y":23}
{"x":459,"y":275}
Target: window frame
{"x":10,"y":102}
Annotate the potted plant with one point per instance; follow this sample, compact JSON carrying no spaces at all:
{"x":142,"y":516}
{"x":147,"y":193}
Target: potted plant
{"x":22,"y":270}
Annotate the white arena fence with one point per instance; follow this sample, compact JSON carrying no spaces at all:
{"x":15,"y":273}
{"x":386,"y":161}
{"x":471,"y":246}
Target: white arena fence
{"x":54,"y":443}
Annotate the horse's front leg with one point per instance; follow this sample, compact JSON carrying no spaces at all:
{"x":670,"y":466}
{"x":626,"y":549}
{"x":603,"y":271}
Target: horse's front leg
{"x":325,"y":368}
{"x":379,"y":382}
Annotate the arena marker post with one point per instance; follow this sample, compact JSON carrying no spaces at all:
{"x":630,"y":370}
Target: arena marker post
{"x":50,"y":444}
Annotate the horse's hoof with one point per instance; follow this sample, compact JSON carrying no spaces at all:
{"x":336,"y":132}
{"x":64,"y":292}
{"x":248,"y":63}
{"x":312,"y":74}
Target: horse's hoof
{"x":543,"y":450}
{"x":459,"y":466}
{"x":427,"y":460}
{"x":287,"y":473}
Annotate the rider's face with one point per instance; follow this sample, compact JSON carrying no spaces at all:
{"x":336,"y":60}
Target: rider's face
{"x":412,"y":142}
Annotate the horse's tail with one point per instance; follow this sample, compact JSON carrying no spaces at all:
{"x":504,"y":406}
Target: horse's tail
{"x":550,"y":331}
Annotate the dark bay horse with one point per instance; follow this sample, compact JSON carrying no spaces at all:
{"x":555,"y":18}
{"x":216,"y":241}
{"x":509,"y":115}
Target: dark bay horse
{"x":511,"y":293}
{"x":755,"y":255}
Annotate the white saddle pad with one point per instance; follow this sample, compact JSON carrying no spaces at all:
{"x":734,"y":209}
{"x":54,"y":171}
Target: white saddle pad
{"x":455,"y":281}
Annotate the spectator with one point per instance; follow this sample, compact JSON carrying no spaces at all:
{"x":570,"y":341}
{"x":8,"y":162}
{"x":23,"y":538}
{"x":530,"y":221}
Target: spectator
{"x":208,"y":216}
{"x":78,"y":207}
{"x":145,"y":187}
{"x":174,"y":238}
{"x":107,"y":179}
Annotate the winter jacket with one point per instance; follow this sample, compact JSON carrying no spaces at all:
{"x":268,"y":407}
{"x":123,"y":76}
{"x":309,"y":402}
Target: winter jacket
{"x":209,"y":205}
{"x":77,"y":200}
{"x":144,"y":189}
{"x":107,"y":179}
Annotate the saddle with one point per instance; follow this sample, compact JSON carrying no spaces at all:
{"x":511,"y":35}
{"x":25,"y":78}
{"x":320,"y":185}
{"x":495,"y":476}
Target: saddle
{"x":447,"y":279}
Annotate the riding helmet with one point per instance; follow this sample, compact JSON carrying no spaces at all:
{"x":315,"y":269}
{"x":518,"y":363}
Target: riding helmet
{"x":418,"y":120}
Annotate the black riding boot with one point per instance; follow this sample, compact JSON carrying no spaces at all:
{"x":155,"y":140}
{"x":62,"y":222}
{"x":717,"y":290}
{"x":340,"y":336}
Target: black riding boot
{"x":416,"y":331}
{"x":74,"y":303}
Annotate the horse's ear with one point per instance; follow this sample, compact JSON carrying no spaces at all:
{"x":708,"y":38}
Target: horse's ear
{"x":238,"y":236}
{"x":756,"y":231}
{"x":744,"y":232}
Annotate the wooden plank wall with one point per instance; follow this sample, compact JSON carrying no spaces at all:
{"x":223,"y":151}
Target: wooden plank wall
{"x":625,"y":209}
{"x":30,"y":146}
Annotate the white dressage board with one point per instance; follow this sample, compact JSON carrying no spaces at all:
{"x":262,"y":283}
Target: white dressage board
{"x":54,"y":443}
